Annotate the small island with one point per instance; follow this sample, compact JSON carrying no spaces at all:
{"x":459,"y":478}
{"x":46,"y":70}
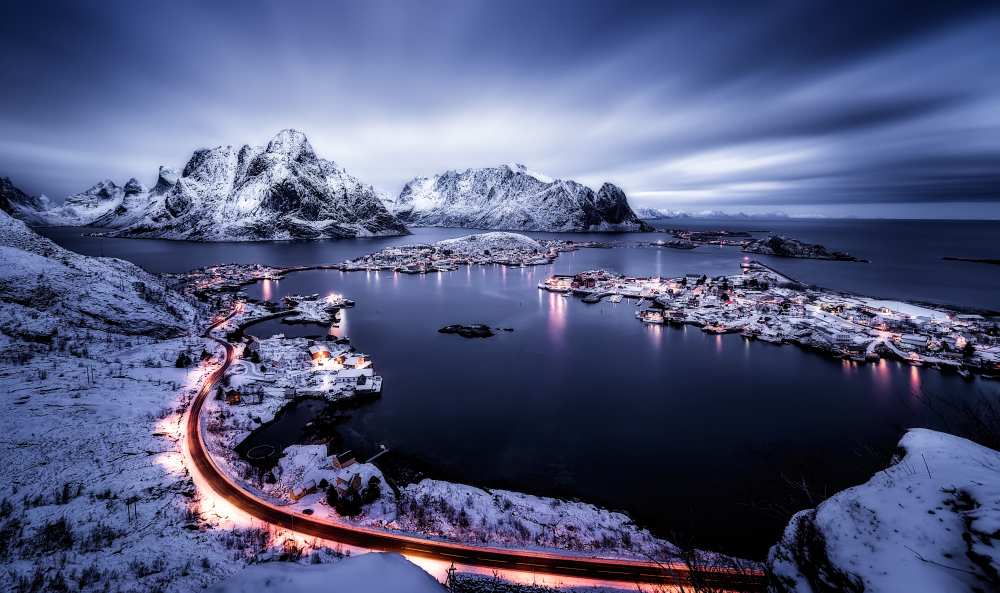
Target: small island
{"x":478,"y":330}
{"x":779,"y":246}
{"x":773,"y":245}
{"x":974,"y":260}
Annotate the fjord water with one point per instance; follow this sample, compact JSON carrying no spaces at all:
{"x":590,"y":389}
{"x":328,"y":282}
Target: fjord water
{"x":695,"y":435}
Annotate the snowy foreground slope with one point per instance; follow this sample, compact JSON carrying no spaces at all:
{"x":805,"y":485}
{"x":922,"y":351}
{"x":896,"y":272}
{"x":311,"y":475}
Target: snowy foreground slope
{"x":928,"y":523}
{"x":44,"y":287}
{"x":94,"y":491}
{"x":512,"y":198}
{"x":279,"y":191}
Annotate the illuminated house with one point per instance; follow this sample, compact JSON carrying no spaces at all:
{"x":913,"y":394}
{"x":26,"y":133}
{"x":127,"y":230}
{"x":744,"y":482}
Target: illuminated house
{"x":559,"y":283}
{"x":319,"y":353}
{"x":357,"y":361}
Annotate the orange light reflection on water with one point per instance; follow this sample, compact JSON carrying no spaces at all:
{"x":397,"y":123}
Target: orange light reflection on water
{"x":915,"y":380}
{"x":557,"y":315}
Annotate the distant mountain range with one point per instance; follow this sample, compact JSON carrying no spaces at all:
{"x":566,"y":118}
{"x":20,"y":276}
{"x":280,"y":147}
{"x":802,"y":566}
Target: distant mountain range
{"x":513,"y":198}
{"x":661,"y":213}
{"x":283,"y":191}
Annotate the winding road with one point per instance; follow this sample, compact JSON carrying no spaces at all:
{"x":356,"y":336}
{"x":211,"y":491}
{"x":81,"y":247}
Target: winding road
{"x":532,"y":561}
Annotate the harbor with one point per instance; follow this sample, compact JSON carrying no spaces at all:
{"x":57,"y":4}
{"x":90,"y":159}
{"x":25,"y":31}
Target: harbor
{"x":762,"y":303}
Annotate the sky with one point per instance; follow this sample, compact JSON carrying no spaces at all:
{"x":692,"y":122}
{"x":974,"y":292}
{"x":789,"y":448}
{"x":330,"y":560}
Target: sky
{"x":829,"y":108}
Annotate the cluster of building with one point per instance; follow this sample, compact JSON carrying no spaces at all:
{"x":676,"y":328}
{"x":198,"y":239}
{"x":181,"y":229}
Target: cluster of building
{"x":288,"y":368}
{"x":762,"y":304}
{"x":446,"y":256}
{"x":315,"y":308}
{"x":226,"y":277}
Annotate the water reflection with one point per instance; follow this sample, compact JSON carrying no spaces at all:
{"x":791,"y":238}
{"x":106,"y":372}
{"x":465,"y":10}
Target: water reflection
{"x":883,"y":376}
{"x":266,"y":289}
{"x":914,"y":380}
{"x":342,"y":328}
{"x":556,"y":315}
{"x":655,"y":333}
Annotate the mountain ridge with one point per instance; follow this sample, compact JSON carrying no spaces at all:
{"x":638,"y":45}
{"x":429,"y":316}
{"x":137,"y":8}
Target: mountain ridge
{"x":513,"y":198}
{"x":279,"y":191}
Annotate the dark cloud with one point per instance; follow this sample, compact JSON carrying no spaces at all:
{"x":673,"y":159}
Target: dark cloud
{"x":715,"y":102}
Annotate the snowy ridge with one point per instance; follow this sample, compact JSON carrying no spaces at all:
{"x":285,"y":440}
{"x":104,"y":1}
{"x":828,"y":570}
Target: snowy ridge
{"x":513,"y":198}
{"x":280,"y":191}
{"x":928,"y":523}
{"x":43,"y":287}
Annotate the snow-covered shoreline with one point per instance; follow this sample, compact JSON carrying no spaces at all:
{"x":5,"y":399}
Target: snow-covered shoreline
{"x":302,"y":478}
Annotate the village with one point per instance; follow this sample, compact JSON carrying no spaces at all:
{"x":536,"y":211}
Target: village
{"x":500,"y":248}
{"x":266,"y":374}
{"x":225,"y":277}
{"x":761,"y":303}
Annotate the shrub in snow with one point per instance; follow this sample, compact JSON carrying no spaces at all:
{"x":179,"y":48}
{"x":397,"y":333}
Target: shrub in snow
{"x":55,"y":535}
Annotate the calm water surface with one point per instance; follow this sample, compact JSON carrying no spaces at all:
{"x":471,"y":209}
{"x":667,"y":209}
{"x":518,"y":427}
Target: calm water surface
{"x":690,"y":433}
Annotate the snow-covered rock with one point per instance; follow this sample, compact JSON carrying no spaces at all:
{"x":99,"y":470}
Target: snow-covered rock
{"x":928,"y":523}
{"x":18,"y":204}
{"x":279,"y":191}
{"x":510,"y":197}
{"x":780,"y":246}
{"x":44,"y":287}
{"x":376,"y":573}
{"x":464,"y":513}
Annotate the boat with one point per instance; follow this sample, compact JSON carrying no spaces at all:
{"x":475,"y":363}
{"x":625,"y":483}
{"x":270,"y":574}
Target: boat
{"x":616,"y":298}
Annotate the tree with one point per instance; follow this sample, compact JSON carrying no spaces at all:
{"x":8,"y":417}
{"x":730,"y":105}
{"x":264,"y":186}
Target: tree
{"x":372,"y":491}
{"x":183,"y":360}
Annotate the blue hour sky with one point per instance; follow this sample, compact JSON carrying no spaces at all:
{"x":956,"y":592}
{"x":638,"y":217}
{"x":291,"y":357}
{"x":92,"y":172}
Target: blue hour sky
{"x":839,"y":108}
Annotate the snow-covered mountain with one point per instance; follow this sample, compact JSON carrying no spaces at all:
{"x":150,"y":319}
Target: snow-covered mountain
{"x":18,"y":204}
{"x":657,"y":213}
{"x":512,"y":198}
{"x":104,"y":204}
{"x":44,"y":288}
{"x":279,"y":191}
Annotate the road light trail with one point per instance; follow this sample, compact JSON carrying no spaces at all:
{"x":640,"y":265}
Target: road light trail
{"x":530,"y":561}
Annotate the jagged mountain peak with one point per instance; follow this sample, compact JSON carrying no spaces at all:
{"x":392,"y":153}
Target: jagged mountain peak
{"x":292,"y":143}
{"x":513,"y":197}
{"x":165,"y":179}
{"x":281,"y":190}
{"x":132,"y":187}
{"x":104,"y":189}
